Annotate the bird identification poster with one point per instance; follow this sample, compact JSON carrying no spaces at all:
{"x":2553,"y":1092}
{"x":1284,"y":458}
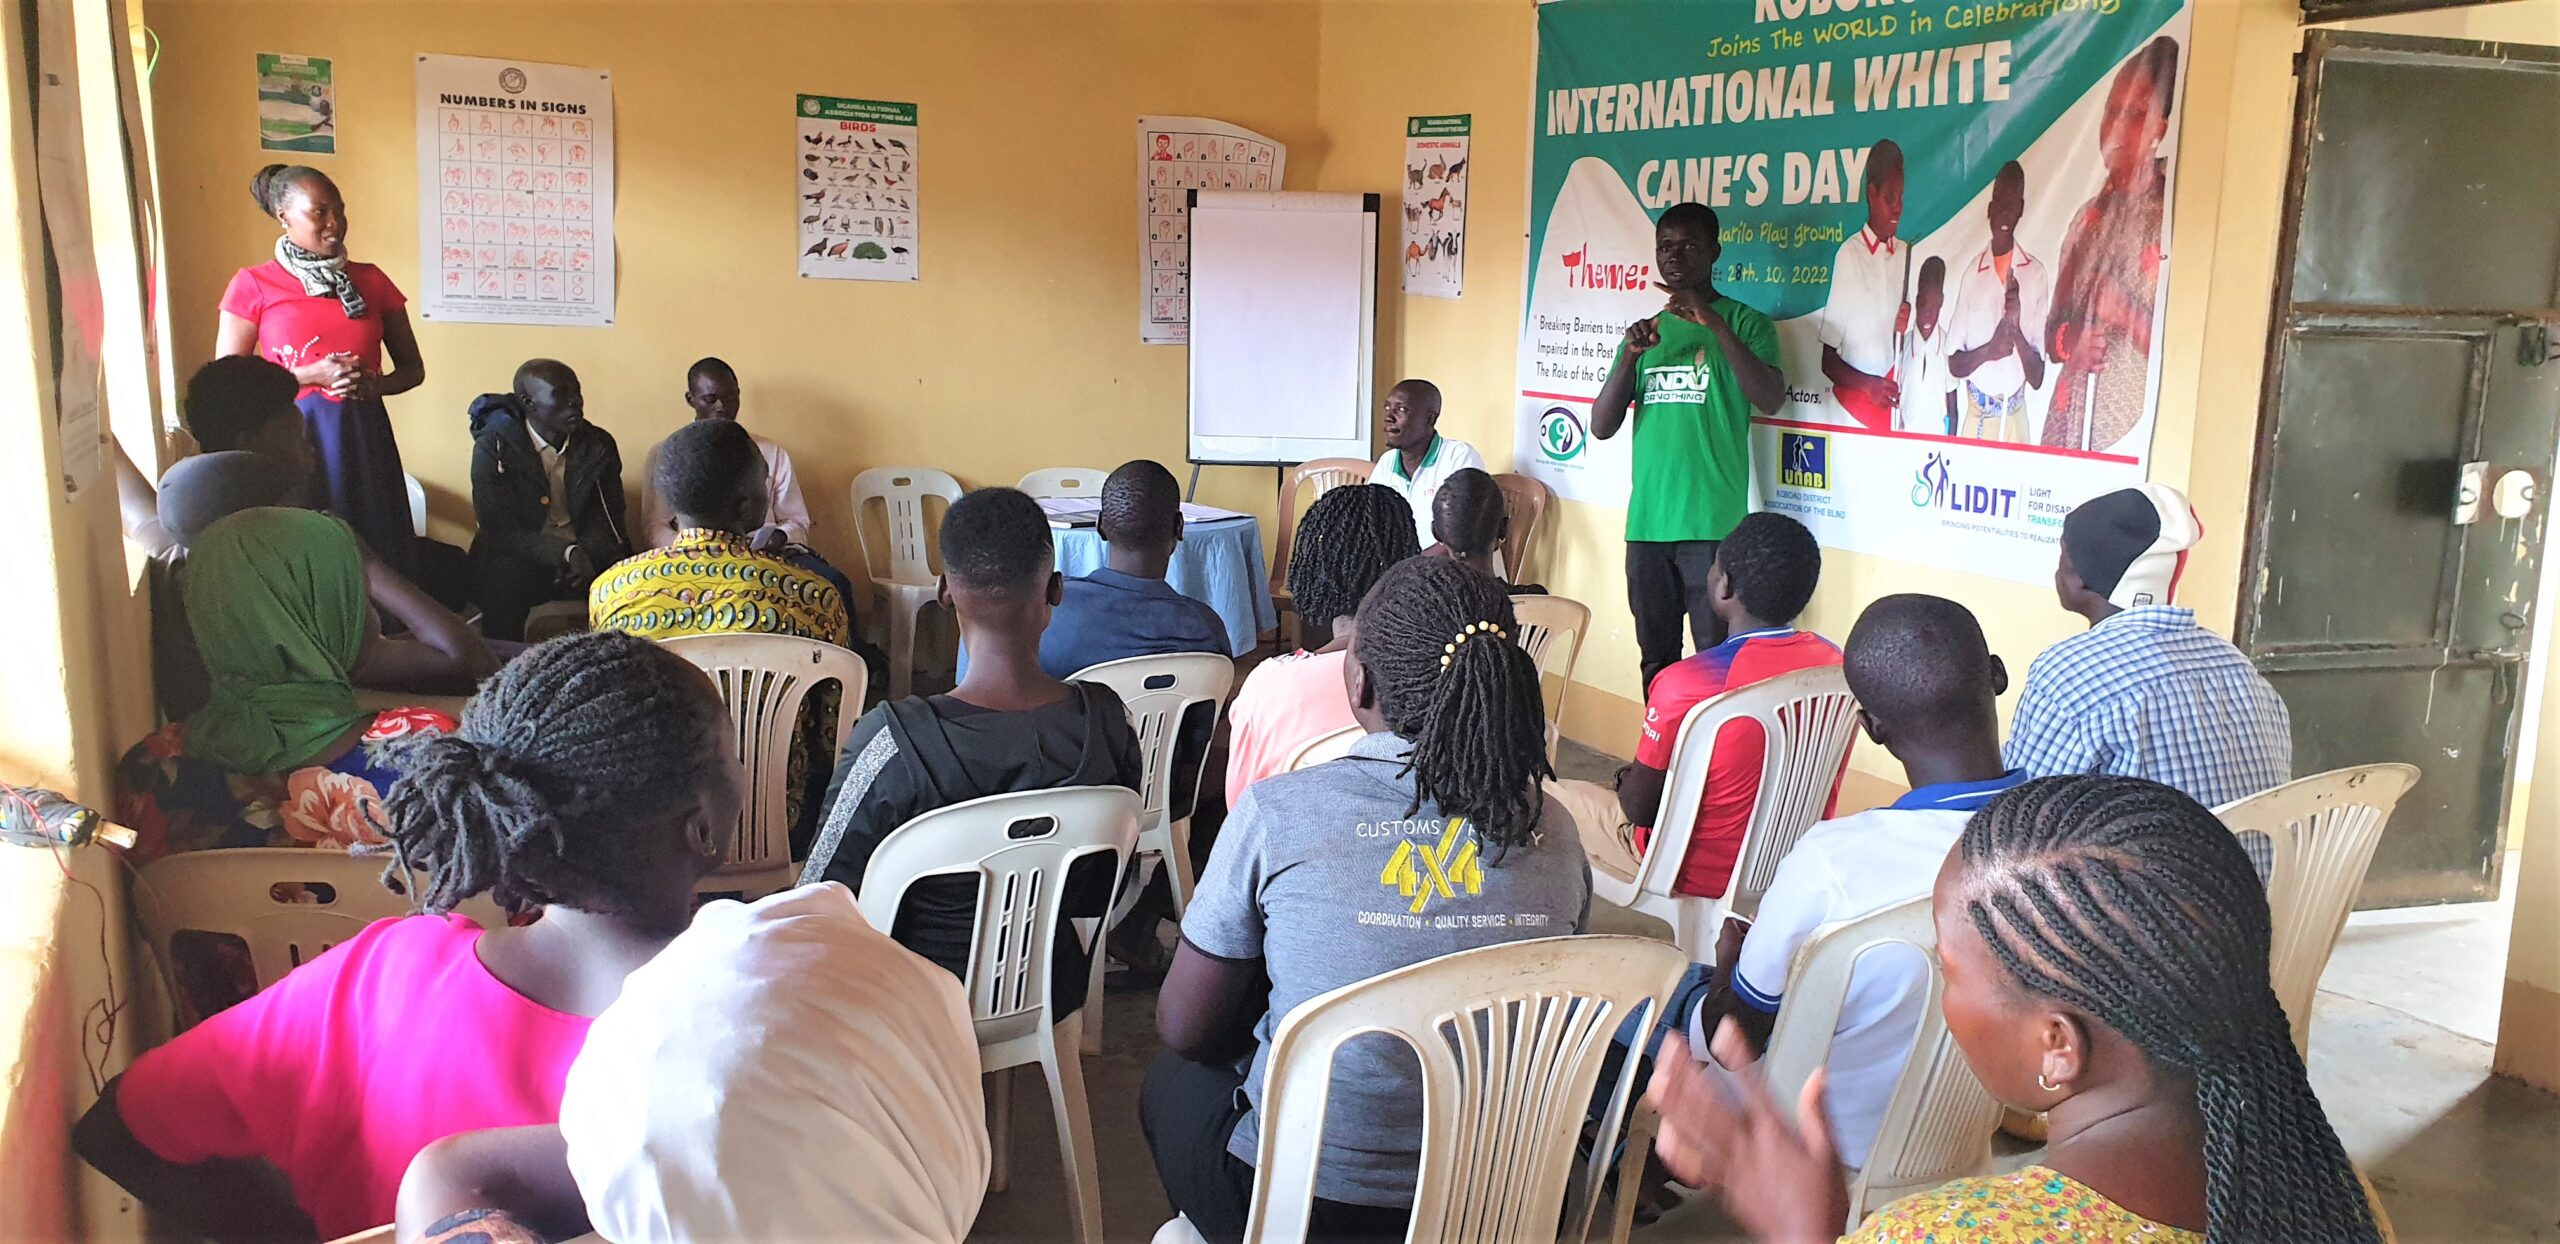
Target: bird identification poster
{"x":297,"y":104}
{"x":515,"y":190}
{"x":1435,"y":204}
{"x":1956,"y":216}
{"x":857,"y":189}
{"x":1177,"y":155}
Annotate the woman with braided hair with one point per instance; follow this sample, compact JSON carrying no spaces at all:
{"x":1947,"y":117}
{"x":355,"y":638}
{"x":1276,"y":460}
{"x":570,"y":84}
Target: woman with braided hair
{"x":592,"y":781}
{"x":1350,"y":536}
{"x":2105,"y":943}
{"x":1432,"y":837}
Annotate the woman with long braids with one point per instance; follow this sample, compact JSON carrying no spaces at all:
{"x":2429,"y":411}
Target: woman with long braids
{"x":1347,"y":540}
{"x":329,"y":320}
{"x":2105,"y":943}
{"x":593,"y":781}
{"x":1353,"y":868}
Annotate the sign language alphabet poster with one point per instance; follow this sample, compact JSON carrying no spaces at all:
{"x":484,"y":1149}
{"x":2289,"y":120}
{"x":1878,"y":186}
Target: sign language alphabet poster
{"x":1435,"y":204}
{"x":856,"y":189}
{"x":1177,"y":155}
{"x":515,"y":188}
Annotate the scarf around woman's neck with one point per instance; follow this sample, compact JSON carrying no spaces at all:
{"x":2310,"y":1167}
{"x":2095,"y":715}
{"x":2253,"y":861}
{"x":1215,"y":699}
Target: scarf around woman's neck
{"x":321,"y":274}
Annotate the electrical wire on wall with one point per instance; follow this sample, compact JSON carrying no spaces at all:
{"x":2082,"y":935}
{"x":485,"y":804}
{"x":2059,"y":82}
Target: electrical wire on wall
{"x":41,"y":818}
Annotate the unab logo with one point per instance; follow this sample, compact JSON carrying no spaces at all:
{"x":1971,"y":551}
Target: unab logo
{"x":808,"y":107}
{"x":1560,"y":435}
{"x":511,"y":80}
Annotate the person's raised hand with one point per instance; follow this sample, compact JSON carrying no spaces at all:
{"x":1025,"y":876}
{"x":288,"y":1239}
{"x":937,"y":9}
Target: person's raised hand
{"x":1642,"y":335}
{"x":1781,"y":1182}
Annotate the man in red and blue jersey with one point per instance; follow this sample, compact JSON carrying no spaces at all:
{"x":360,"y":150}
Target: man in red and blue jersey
{"x":1764,"y":575}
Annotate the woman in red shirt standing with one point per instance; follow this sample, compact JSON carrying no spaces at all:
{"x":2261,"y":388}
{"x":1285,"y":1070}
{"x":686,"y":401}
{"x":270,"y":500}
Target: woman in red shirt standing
{"x":329,"y":320}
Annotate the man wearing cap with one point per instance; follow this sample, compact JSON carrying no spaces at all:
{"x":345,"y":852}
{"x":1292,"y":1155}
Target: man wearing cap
{"x":2145,"y":692}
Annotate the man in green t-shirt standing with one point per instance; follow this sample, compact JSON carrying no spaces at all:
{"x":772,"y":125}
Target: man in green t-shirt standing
{"x":1693,"y":373}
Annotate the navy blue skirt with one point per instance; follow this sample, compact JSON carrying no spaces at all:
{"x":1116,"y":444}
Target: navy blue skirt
{"x":359,"y":476}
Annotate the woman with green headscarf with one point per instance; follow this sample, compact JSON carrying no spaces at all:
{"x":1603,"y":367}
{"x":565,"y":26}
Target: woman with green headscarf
{"x":281,"y":754}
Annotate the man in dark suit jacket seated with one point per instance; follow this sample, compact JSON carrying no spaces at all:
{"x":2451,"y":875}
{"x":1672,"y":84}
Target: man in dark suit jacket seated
{"x":546,"y":486}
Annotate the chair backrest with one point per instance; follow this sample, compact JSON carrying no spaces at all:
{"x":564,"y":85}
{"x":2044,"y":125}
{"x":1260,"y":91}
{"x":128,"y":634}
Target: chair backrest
{"x":1510,"y":1039}
{"x":1551,"y":629}
{"x":417,"y":505}
{"x":905,"y":535}
{"x":1019,"y":847}
{"x":1309,"y":481}
{"x":1064,"y":482}
{"x":1937,"y":1125}
{"x":763,"y":679}
{"x":1159,"y":692}
{"x":288,"y":904}
{"x":2323,"y":830}
{"x":1808,"y":718}
{"x":1324,"y":747}
{"x":1525,"y":500}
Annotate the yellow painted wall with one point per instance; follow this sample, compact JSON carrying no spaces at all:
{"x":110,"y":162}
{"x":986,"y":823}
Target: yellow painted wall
{"x":1017,"y":350}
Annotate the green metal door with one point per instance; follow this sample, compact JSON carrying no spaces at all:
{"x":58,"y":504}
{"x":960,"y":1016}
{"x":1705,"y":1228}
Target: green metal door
{"x":2406,"y":442}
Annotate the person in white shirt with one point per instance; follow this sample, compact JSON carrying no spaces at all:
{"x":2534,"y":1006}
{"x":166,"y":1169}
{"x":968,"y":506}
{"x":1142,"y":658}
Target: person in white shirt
{"x":711,"y":389}
{"x":1928,"y":397}
{"x":1928,"y":689}
{"x":1418,"y":459}
{"x":1867,"y":311}
{"x":2002,"y":300}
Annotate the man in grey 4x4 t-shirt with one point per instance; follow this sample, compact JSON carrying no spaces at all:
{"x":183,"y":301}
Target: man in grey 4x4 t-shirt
{"x":1324,"y":876}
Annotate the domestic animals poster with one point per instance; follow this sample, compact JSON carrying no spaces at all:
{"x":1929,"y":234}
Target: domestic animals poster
{"x":515,"y":192}
{"x":1177,"y":155}
{"x":854,"y":175}
{"x":1435,"y":205}
{"x":1959,"y":220}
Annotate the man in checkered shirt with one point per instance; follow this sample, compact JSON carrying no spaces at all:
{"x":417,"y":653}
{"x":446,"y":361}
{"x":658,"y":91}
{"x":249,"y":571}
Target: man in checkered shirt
{"x":2145,"y":692}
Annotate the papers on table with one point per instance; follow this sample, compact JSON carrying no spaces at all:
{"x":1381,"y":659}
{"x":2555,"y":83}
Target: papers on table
{"x":1065,"y":512}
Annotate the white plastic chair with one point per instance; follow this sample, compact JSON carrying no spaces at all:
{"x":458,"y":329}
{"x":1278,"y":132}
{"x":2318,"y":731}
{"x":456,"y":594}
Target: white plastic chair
{"x":1808,"y":719}
{"x":904,"y":573}
{"x":1544,"y":620}
{"x":1300,"y":487}
{"x":1158,"y":692}
{"x":288,"y":904}
{"x":417,"y":505}
{"x":1064,"y":482}
{"x":2323,"y":830}
{"x":1510,"y":1039}
{"x":764,"y":679}
{"x":1324,"y":747}
{"x":1938,"y":1123}
{"x":1020,"y":847}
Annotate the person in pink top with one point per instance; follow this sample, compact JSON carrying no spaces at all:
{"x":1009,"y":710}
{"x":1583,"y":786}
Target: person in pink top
{"x":593,"y":781}
{"x":330,"y":320}
{"x":1349,"y":538}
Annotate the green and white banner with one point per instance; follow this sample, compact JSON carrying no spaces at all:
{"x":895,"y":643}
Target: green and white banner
{"x":1957,"y":211}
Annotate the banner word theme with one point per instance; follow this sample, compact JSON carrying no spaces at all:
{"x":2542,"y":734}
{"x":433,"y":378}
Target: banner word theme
{"x":1957,"y":212}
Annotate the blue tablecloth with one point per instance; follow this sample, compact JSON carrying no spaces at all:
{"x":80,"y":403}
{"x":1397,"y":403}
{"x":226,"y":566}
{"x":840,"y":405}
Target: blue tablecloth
{"x":1219,"y":563}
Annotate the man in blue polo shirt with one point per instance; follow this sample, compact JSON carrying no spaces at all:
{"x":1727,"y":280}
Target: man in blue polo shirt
{"x":1126,"y":609}
{"x":1928,"y":689}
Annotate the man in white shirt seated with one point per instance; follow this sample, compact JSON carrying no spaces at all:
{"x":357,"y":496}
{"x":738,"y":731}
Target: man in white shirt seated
{"x":1418,"y":459}
{"x":1928,"y":690}
{"x":711,"y":389}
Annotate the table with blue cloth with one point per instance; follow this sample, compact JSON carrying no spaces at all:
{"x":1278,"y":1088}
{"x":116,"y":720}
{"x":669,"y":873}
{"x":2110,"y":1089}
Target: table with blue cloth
{"x":1219,"y":563}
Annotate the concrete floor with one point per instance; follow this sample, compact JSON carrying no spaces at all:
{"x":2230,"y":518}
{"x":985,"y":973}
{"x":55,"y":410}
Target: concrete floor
{"x":2400,"y":1056}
